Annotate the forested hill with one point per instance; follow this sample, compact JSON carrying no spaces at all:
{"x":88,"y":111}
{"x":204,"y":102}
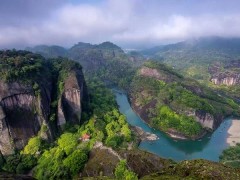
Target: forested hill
{"x":175,"y":104}
{"x":212,"y":61}
{"x":202,"y":50}
{"x":106,"y":61}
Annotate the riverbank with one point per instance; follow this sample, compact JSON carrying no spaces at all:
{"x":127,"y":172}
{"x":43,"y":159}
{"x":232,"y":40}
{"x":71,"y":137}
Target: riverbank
{"x":234,"y":133}
{"x":142,"y":135}
{"x":208,"y":147}
{"x":174,"y":134}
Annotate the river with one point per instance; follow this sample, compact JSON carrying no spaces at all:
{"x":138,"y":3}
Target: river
{"x":209,"y":147}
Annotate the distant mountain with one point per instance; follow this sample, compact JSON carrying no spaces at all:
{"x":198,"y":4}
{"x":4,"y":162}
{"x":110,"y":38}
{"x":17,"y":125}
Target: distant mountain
{"x":89,"y":55}
{"x":106,"y":60}
{"x":49,"y":51}
{"x":94,"y":56}
{"x":199,"y":51}
{"x":213,"y":61}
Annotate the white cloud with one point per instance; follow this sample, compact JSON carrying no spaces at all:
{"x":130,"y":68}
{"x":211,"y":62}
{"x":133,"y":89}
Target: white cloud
{"x":118,"y":21}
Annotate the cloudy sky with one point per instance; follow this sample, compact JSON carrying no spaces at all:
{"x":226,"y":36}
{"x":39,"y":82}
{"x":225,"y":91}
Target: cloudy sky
{"x":128,"y":23}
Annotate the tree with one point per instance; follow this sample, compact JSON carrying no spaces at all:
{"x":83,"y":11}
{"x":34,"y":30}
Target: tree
{"x":68,"y":142}
{"x":75,"y":161}
{"x":126,"y":132}
{"x":33,"y":146}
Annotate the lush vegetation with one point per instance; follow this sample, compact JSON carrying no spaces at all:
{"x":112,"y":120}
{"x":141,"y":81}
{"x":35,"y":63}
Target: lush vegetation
{"x":196,"y":52}
{"x":231,"y":156}
{"x":68,"y":156}
{"x":196,"y":58}
{"x":101,"y":121}
{"x":170,"y":100}
{"x":121,"y":172}
{"x":196,"y":169}
{"x":20,"y":65}
{"x":106,"y":61}
{"x":167,"y":119}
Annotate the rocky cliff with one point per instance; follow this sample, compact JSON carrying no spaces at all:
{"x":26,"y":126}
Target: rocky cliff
{"x":26,"y":100}
{"x":69,"y":104}
{"x":23,"y":115}
{"x":227,"y":73}
{"x":228,"y":79}
{"x":180,"y":106}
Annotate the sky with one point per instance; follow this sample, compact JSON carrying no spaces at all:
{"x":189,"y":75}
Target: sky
{"x":130,"y":24}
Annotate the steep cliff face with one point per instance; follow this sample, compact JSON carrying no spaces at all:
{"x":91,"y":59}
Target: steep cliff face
{"x":227,"y":73}
{"x":22,"y":116}
{"x":226,"y":79}
{"x":69,"y":106}
{"x":28,"y":89}
{"x":207,"y":120}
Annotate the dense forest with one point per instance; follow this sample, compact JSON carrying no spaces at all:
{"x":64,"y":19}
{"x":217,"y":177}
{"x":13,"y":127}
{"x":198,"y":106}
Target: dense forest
{"x":167,"y":97}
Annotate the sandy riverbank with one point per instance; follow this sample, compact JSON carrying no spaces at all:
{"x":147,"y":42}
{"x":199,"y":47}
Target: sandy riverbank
{"x":234,"y":133}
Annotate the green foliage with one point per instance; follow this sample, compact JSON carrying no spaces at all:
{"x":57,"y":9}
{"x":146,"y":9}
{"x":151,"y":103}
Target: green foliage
{"x":108,"y":124}
{"x":22,"y":163}
{"x":66,"y":157}
{"x":231,"y":156}
{"x":168,"y":119}
{"x":68,"y":142}
{"x":26,"y":164}
{"x":34,"y":146}
{"x":200,"y":52}
{"x":126,"y":132}
{"x":20,"y":65}
{"x":102,"y":99}
{"x":121,"y":172}
{"x":12,"y":162}
{"x":114,"y":141}
{"x":64,"y":160}
{"x":50,"y":165}
{"x":36,"y":89}
{"x":169,"y":99}
{"x":118,"y":72}
{"x":69,"y":155}
{"x":75,"y":161}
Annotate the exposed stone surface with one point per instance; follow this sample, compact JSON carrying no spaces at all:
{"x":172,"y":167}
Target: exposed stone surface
{"x":145,"y":99}
{"x":144,"y":136}
{"x":205,"y":119}
{"x":69,"y":106}
{"x":23,"y":113}
{"x":226,"y":74}
{"x":146,"y":71}
{"x":226,"y":79}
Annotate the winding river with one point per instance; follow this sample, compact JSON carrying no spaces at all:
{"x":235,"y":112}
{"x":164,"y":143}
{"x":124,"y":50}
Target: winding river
{"x":209,"y":147}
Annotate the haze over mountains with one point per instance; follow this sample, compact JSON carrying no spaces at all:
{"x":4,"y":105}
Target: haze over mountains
{"x":130,"y":24}
{"x":119,"y":90}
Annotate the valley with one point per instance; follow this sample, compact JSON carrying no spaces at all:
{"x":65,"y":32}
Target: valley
{"x":209,"y":147}
{"x":80,"y":104}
